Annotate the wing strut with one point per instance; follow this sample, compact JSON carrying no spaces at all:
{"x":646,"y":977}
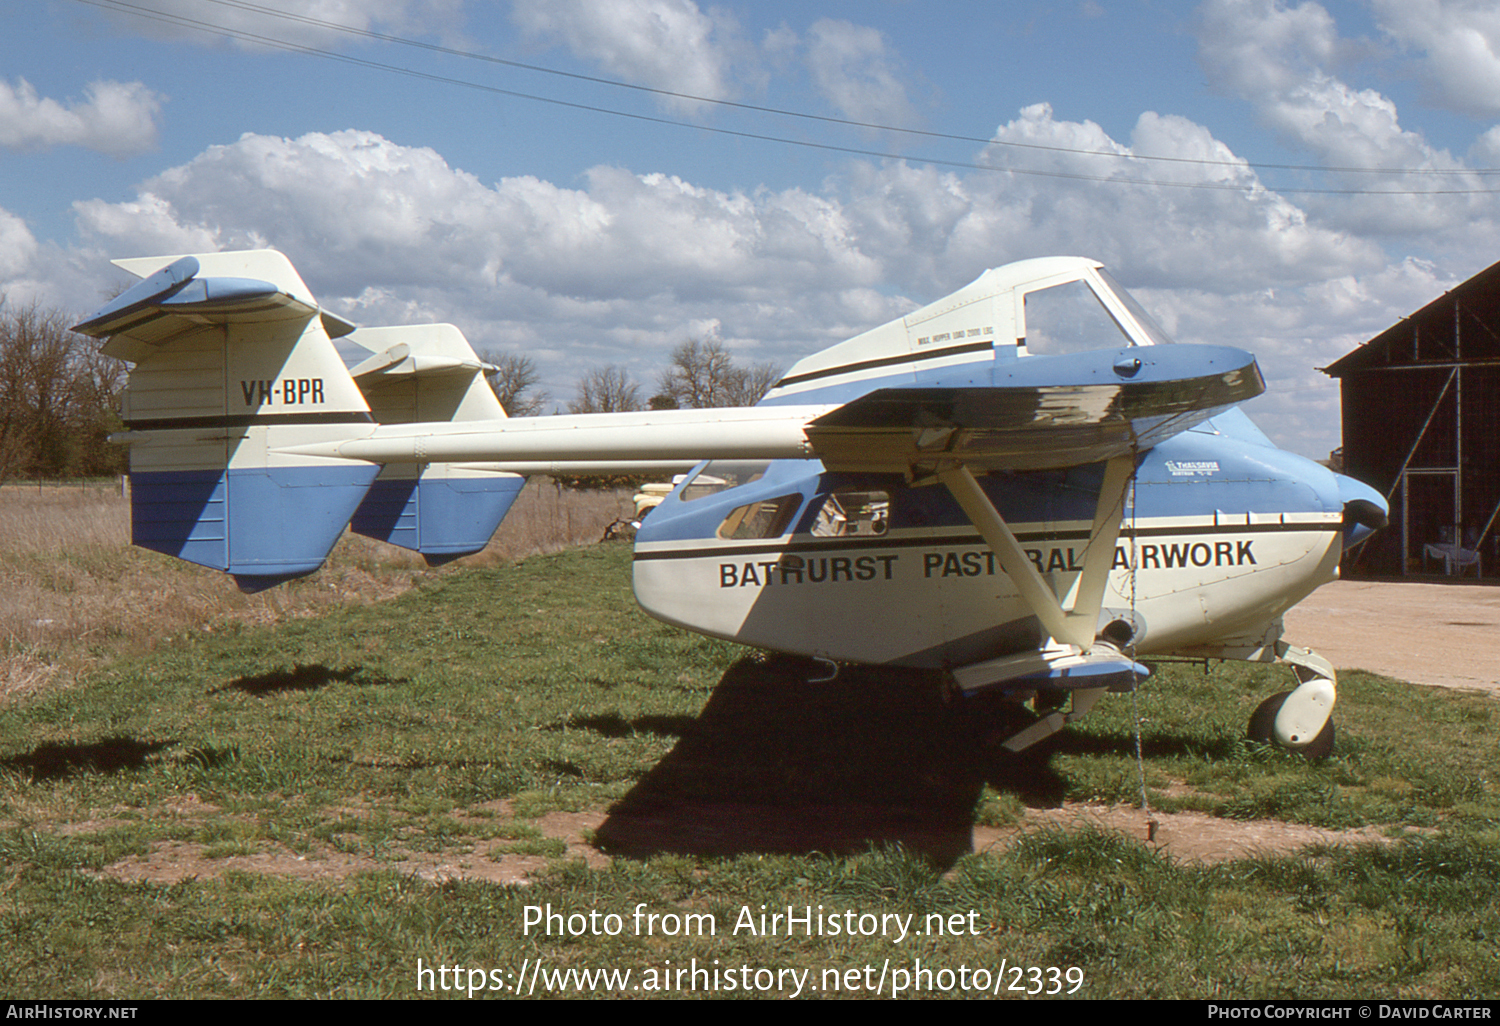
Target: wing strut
{"x":1078,"y":623}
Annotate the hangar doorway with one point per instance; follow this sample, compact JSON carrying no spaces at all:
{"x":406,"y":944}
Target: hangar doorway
{"x":1421,"y":425}
{"x":1431,"y":519}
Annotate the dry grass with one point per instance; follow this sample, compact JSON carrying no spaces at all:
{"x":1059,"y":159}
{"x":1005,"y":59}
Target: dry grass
{"x":74,"y":592}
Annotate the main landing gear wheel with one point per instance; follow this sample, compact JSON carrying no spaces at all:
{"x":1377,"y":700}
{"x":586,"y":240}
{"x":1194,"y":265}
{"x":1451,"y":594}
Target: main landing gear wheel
{"x":1264,"y":718}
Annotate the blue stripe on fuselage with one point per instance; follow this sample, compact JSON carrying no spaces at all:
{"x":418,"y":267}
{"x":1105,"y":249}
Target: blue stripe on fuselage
{"x":1189,"y":475}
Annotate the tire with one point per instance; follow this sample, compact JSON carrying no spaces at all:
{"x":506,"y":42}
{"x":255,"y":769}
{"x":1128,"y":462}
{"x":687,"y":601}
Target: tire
{"x":1263,"y":722}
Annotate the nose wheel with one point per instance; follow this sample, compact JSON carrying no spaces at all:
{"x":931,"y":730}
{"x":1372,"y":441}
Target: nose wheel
{"x":1263,"y":723}
{"x":1297,"y":721}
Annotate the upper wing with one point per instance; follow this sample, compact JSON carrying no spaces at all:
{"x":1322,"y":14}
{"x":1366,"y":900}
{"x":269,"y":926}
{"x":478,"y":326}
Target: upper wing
{"x":256,"y":286}
{"x":1084,"y":408}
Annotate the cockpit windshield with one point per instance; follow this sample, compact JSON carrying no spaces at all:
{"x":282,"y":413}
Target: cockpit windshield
{"x":721,"y":474}
{"x":1074,"y":317}
{"x":1069,"y":318}
{"x":1146,"y":321}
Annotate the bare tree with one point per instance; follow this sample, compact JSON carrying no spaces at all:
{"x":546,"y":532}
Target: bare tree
{"x":513,"y":379}
{"x":753,"y":383}
{"x":698,"y":374}
{"x":57,"y":397}
{"x":606,"y":390}
{"x":703,"y":375}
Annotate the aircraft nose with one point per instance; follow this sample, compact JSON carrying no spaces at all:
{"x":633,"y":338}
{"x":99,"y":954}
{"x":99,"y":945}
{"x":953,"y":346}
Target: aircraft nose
{"x":1365,"y":510}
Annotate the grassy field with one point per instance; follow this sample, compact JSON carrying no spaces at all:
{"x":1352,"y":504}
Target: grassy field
{"x":74,"y":593}
{"x":507,"y":779}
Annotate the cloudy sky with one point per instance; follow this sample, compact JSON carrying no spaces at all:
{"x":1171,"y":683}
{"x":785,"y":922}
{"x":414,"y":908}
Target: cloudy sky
{"x":594,"y":181}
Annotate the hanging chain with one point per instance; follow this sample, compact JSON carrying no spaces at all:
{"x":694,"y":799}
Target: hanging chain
{"x":1135,"y":703}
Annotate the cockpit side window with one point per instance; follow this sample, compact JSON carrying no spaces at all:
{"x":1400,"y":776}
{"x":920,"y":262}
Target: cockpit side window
{"x":852,"y":512}
{"x":718,"y":475}
{"x":768,"y":518}
{"x":1069,"y":318}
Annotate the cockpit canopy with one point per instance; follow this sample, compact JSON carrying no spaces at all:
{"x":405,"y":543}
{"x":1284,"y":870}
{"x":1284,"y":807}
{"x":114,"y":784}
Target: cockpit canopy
{"x":1048,"y":306}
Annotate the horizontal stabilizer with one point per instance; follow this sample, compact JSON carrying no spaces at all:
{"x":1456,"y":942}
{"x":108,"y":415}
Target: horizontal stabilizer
{"x":399,"y":361}
{"x":174,"y":292}
{"x":423,"y":373}
{"x":256,"y":287}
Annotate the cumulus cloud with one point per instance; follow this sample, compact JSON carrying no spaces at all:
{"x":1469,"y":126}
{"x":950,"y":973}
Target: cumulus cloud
{"x":1458,"y":44}
{"x":664,"y":44}
{"x":1486,"y":149}
{"x":1295,"y":330}
{"x":1278,"y":58}
{"x":118,"y":118}
{"x":145,"y":225}
{"x":382,"y":211}
{"x":17,"y":246}
{"x":622,"y":267}
{"x":934,"y":227}
{"x":74,"y":279}
{"x":315,"y":24}
{"x":854,"y":70}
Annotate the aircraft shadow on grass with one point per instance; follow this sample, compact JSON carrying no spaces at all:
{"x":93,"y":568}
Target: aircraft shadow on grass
{"x":780,"y":761}
{"x":309,"y":677}
{"x":61,"y":760}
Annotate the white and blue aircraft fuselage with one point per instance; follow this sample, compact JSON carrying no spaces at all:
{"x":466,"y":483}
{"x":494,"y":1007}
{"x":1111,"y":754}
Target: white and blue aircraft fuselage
{"x":1021,"y":484}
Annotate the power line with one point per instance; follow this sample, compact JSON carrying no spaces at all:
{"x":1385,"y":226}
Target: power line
{"x":245,"y":5}
{"x":153,"y":14}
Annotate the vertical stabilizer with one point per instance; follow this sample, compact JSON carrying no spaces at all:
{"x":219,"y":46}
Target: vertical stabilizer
{"x":231,"y":359}
{"x":430,"y":373}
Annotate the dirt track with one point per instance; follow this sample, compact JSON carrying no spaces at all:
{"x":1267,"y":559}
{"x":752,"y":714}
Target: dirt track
{"x":1445,"y":634}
